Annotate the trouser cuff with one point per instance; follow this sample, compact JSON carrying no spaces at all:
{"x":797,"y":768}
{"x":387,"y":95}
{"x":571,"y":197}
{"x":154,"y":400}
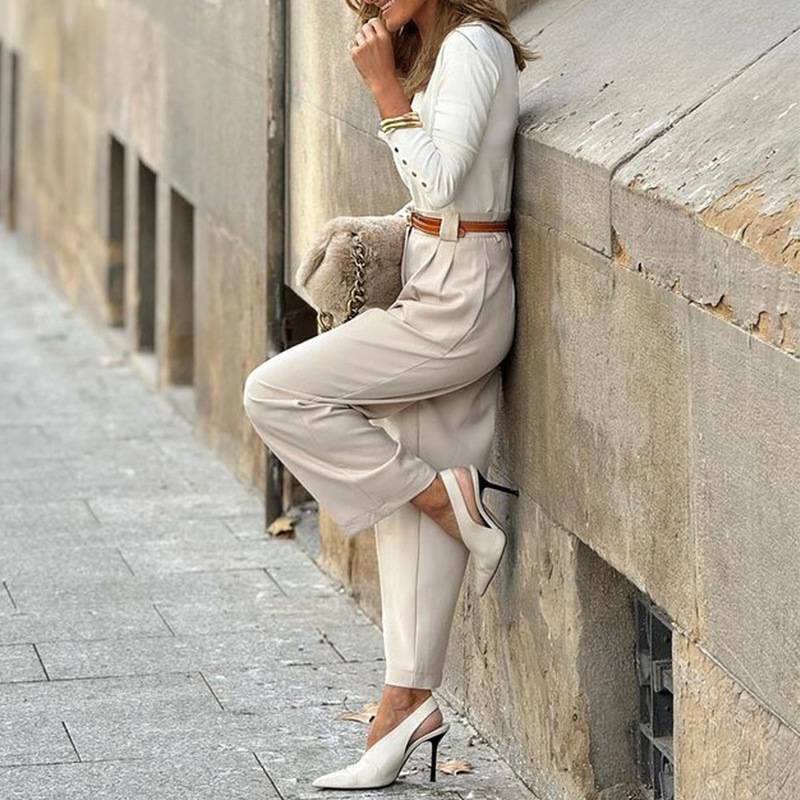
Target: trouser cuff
{"x":412,"y":678}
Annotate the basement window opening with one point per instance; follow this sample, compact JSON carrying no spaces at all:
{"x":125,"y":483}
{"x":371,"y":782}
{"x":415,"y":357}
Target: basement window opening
{"x":655,"y":754}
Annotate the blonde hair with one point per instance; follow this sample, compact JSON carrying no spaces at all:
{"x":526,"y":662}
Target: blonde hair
{"x":415,"y":60}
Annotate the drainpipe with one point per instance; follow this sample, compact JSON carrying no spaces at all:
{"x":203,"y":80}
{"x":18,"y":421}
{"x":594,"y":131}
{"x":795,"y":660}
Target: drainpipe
{"x":277,"y":218}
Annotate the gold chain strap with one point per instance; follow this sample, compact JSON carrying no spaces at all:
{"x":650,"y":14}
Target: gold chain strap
{"x":357,"y":295}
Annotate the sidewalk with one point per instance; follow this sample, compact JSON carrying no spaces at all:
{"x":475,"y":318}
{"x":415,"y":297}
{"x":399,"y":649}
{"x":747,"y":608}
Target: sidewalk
{"x":154,"y":643}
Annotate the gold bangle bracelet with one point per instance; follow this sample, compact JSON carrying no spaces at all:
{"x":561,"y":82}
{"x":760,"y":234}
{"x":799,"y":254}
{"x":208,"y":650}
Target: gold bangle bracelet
{"x":410,"y":116}
{"x":399,"y":125}
{"x":403,"y":116}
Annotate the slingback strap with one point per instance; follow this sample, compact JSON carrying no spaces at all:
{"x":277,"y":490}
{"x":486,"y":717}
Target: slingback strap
{"x":398,"y":737}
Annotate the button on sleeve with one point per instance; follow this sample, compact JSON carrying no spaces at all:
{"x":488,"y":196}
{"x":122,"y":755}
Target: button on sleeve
{"x":438,"y":157}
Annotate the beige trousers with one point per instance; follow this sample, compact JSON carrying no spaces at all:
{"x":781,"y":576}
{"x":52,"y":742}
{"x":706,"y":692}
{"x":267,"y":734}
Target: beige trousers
{"x":364,"y":415}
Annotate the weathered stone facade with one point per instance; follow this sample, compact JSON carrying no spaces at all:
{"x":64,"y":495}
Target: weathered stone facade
{"x":182,"y":86}
{"x":650,"y":402}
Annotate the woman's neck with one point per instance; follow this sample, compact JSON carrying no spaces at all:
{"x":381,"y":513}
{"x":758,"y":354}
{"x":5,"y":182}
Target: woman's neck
{"x":424,"y":18}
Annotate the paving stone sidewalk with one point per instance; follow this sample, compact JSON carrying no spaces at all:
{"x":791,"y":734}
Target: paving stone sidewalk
{"x":154,"y":643}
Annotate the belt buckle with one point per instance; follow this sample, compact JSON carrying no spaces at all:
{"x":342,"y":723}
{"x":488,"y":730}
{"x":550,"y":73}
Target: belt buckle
{"x":408,"y":217}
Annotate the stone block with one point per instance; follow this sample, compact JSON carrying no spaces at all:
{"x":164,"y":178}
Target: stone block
{"x":710,"y":209}
{"x":234,"y":776}
{"x":322,"y":73}
{"x":308,"y":581}
{"x":132,"y":469}
{"x":586,"y":108}
{"x":150,"y":733}
{"x":596,"y":412}
{"x":230,"y":273}
{"x":729,"y":744}
{"x":339,"y":687}
{"x":40,"y":29}
{"x":132,"y":695}
{"x":54,"y":592}
{"x":353,"y":560}
{"x":746,"y":501}
{"x":190,"y":505}
{"x":20,"y":664}
{"x":72,"y":562}
{"x":136,"y":77}
{"x":82,"y":43}
{"x":37,"y":741}
{"x":232,"y":148}
{"x":77,"y":625}
{"x":236,"y":33}
{"x":18,"y":442}
{"x":353,"y":636}
{"x":185,"y":64}
{"x":149,"y":558}
{"x":137,"y":656}
{"x":57,"y":515}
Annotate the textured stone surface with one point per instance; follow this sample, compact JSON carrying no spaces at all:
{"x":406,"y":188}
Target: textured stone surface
{"x":586,"y":107}
{"x":354,"y":561}
{"x":34,"y":741}
{"x":20,"y":663}
{"x":235,"y":776}
{"x":672,"y":476}
{"x":737,"y":749}
{"x":41,"y":593}
{"x":747,"y":193}
{"x":166,"y":80}
{"x":81,"y":624}
{"x":596,"y":414}
{"x":167,"y":693}
{"x":746,"y":496}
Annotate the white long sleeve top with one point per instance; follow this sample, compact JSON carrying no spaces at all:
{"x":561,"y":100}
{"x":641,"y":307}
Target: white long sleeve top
{"x":462,"y":158}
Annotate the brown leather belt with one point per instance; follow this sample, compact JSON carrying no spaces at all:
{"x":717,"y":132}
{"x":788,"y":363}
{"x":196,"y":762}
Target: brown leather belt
{"x":432,"y":224}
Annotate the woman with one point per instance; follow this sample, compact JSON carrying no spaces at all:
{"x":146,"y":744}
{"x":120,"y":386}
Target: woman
{"x":372,"y":416}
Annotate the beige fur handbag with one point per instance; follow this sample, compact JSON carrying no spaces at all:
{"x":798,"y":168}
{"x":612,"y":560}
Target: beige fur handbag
{"x":353,"y":263}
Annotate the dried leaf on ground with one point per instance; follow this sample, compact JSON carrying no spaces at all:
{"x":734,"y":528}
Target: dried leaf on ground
{"x":453,"y":766}
{"x":282,"y":527}
{"x":364,"y":714}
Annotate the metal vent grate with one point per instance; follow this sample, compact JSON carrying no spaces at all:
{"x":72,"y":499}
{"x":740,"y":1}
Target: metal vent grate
{"x":654,"y":678}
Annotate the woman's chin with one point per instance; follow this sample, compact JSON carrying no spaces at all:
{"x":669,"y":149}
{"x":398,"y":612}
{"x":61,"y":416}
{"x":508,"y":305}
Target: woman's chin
{"x":391,"y":21}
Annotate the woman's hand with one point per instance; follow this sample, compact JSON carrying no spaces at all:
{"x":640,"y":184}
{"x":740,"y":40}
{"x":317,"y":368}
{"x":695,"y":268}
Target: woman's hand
{"x":373,"y":55}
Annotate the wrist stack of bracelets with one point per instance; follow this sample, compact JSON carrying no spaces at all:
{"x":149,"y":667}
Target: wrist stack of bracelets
{"x":410,"y":119}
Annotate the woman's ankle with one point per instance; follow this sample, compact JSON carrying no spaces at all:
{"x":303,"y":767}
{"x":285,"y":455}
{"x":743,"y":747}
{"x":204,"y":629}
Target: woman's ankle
{"x":404,"y":696}
{"x":433,"y":500}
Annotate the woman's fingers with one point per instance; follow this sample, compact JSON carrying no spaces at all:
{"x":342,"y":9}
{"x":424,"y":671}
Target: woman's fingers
{"x":372,"y":52}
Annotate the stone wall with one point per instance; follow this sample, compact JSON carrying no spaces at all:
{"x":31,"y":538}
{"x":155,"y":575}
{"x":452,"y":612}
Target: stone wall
{"x":182,"y":85}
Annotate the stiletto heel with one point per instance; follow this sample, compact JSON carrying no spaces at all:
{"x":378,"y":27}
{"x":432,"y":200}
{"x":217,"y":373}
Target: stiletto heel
{"x":434,"y":746}
{"x":380,"y":765}
{"x":485,"y":483}
{"x":487,"y":542}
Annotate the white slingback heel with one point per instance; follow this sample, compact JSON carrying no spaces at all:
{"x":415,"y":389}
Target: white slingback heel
{"x":381,"y":764}
{"x":486,"y":543}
